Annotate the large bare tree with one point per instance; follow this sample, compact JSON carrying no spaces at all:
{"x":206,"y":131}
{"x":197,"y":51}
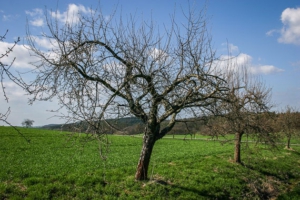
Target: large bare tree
{"x":101,"y":68}
{"x":247,"y":109}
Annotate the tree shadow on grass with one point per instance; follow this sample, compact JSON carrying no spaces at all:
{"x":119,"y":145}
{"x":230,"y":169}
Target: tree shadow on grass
{"x":272,"y":177}
{"x":264,"y":171}
{"x":274,"y":168}
{"x":201,"y":194}
{"x":293,"y":151}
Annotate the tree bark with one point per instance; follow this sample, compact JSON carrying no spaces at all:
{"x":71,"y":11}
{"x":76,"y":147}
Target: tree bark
{"x":288,"y":144}
{"x":143,"y":164}
{"x":237,"y":151}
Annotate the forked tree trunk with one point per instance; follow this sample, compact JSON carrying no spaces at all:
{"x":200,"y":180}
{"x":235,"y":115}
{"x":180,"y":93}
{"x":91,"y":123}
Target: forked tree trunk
{"x":143,"y":164}
{"x":237,"y":150}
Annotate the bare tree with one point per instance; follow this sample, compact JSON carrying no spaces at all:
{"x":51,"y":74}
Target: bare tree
{"x":288,"y":124}
{"x":27,"y":123}
{"x":246,"y":111}
{"x":103,"y":68}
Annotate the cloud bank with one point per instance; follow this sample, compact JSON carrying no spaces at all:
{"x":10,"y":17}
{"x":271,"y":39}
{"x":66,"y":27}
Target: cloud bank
{"x":71,"y":15}
{"x":243,"y":59}
{"x":290,"y":32}
{"x":37,"y":15}
{"x":20,"y":53}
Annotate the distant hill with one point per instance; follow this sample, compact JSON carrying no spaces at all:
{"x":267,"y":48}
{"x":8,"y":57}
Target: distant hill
{"x":127,"y":125}
{"x":51,"y":126}
{"x":131,"y":125}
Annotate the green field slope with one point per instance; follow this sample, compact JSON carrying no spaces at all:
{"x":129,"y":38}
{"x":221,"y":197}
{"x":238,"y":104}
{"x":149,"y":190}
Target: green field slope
{"x":59,"y":165}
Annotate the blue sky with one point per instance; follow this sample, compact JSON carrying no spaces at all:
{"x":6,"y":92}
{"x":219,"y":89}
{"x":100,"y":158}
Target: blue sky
{"x":264,"y":33}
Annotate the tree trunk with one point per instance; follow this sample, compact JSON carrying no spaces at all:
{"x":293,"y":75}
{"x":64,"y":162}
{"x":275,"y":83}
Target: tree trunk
{"x":143,"y":164}
{"x":288,"y":144}
{"x":237,"y":151}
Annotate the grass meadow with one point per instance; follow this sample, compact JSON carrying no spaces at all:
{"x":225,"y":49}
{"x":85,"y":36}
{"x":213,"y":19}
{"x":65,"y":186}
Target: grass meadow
{"x":57,"y":165}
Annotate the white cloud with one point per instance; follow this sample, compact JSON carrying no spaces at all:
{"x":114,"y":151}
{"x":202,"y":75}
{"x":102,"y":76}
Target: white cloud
{"x":71,"y":15}
{"x":37,"y":15}
{"x":233,"y":62}
{"x":107,"y":17}
{"x":35,"y":12}
{"x":6,"y":17}
{"x":20,"y":109}
{"x":22,"y":55}
{"x":245,"y":60}
{"x":9,"y":17}
{"x":37,"y":22}
{"x":230,"y":48}
{"x":158,"y":54}
{"x":265,"y":69}
{"x":290,"y":33}
{"x":20,"y":52}
{"x":271,"y":32}
{"x":45,"y":43}
{"x":13,"y":92}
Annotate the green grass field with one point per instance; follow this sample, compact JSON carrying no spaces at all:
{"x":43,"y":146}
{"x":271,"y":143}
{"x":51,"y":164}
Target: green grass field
{"x":55,"y":165}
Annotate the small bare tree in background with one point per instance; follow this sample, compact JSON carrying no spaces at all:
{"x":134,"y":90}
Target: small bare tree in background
{"x":27,"y":123}
{"x":288,"y":124}
{"x":246,"y":111}
{"x":102,"y":68}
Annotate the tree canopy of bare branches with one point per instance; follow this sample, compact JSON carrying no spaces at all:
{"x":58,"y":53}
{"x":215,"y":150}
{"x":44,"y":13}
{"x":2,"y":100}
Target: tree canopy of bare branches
{"x":103,"y":68}
{"x":288,"y":124}
{"x":246,"y":111}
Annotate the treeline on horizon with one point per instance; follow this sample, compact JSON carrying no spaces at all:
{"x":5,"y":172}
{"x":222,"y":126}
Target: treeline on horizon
{"x":133,"y":125}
